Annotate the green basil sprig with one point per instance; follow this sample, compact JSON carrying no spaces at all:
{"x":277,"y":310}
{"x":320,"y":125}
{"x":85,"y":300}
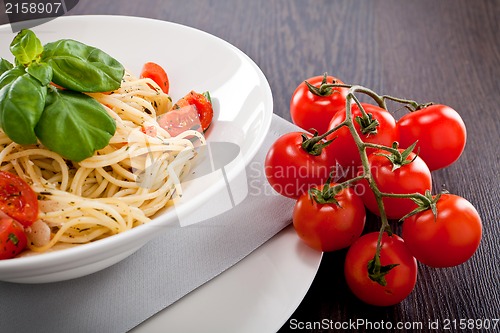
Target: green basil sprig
{"x":80,"y":67}
{"x":66,"y":120}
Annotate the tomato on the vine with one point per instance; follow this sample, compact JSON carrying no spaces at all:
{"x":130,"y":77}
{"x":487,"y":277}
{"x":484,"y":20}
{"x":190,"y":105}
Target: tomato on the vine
{"x":440,"y":132}
{"x":329,"y":219}
{"x":313,"y":108}
{"x":17,"y":199}
{"x":344,"y":150}
{"x":292,"y":170}
{"x":400,"y":280}
{"x":447,"y":240}
{"x":396,"y":177}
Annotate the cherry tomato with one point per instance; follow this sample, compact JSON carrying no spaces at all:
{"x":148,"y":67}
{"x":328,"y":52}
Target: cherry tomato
{"x":203,"y":105}
{"x":400,"y":280}
{"x":156,"y":73}
{"x":440,"y":132}
{"x":329,"y":226}
{"x":291,"y":170}
{"x":17,"y":199}
{"x":13,"y":240}
{"x":409,"y":178}
{"x":314,"y":111}
{"x":177,"y":121}
{"x":344,"y":149}
{"x":448,"y":240}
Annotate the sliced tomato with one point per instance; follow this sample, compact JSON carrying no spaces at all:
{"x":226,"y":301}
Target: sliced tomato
{"x":156,"y":73}
{"x":17,"y":199}
{"x":13,"y":240}
{"x":180,"y":120}
{"x":203,"y":105}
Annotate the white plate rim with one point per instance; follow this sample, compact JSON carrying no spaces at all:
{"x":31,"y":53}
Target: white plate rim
{"x":285,"y":253}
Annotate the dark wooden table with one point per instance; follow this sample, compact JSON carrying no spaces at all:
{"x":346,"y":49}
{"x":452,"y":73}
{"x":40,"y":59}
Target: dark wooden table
{"x":445,"y":51}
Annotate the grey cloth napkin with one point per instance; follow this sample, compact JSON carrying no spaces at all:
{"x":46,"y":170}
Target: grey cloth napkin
{"x":177,"y":261}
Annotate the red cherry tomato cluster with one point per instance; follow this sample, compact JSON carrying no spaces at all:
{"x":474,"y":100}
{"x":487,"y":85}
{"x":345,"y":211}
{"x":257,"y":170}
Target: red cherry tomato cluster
{"x":359,"y":156}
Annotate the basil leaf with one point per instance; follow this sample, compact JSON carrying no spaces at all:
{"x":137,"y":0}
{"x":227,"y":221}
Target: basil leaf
{"x":10,"y":75}
{"x":26,"y":47}
{"x":41,"y":71}
{"x":83,"y":68}
{"x":21,"y":104}
{"x":5,"y":65}
{"x":74,"y":125}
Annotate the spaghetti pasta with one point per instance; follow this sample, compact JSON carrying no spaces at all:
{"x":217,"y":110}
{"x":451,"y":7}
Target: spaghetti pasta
{"x":123,"y":185}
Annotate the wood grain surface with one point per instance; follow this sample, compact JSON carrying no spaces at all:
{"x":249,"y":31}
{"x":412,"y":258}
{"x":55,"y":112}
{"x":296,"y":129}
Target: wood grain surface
{"x":444,"y":51}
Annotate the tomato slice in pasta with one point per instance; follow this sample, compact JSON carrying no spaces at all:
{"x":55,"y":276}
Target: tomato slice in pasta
{"x":17,"y":199}
{"x":180,"y":120}
{"x":13,"y":240}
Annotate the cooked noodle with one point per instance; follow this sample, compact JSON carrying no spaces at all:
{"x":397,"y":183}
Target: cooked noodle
{"x":123,"y":185}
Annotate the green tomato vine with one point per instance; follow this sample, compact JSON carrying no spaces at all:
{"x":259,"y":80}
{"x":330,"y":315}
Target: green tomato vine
{"x":368,"y":125}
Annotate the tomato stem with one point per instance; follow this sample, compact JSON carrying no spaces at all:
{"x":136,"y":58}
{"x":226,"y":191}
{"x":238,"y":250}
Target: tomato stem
{"x":360,"y":89}
{"x":316,"y":143}
{"x":377,"y":272}
{"x":375,"y":269}
{"x":367,"y":124}
{"x":397,"y":158}
{"x":409,"y":104}
{"x":307,"y":143}
{"x":328,"y":193}
{"x":325,"y":89}
{"x":342,"y":124}
{"x":424,"y":202}
{"x":391,"y":150}
{"x":385,"y":226}
{"x":348,"y":182}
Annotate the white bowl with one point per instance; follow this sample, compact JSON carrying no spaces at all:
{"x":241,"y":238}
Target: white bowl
{"x":194,"y":60}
